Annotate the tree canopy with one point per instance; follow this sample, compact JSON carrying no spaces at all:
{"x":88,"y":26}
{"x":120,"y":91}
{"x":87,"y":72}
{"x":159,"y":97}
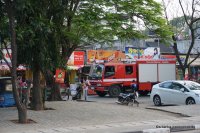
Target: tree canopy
{"x":48,"y":31}
{"x":48,"y":27}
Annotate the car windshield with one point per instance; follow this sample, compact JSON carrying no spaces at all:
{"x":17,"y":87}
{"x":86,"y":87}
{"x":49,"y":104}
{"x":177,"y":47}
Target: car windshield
{"x":96,"y":71}
{"x":192,"y":85}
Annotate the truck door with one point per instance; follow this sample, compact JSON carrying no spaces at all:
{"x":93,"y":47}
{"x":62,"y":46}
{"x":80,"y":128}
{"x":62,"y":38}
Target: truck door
{"x":109,"y":74}
{"x":130,"y":75}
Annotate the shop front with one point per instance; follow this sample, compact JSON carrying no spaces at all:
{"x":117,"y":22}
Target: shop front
{"x":194,"y":71}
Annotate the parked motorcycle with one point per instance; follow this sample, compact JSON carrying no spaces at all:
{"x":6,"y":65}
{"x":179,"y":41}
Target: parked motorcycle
{"x":127,"y":99}
{"x":76,"y":91}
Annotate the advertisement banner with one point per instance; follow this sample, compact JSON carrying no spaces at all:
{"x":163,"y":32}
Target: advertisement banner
{"x":168,"y":57}
{"x":60,"y":76}
{"x":76,"y":58}
{"x":133,"y":53}
{"x":182,"y":58}
{"x":139,"y":53}
{"x":104,"y":55}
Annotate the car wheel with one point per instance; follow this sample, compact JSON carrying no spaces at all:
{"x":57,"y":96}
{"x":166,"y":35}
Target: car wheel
{"x":114,"y":90}
{"x":190,"y":101}
{"x":157,"y":100}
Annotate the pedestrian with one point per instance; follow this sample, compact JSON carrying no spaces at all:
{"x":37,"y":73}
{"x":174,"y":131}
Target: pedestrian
{"x":29,"y":85}
{"x":67,"y":90}
{"x":86,"y":85}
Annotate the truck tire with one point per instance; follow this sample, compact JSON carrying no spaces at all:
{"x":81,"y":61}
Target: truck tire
{"x":101,"y":93}
{"x":114,"y":90}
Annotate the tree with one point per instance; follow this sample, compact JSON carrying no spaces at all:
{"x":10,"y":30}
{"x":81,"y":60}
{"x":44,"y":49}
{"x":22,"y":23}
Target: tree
{"x":190,"y":11}
{"x":48,"y":31}
{"x":7,"y":21}
{"x":82,"y":23}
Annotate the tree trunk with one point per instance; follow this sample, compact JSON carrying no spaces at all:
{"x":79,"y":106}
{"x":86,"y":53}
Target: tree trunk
{"x":37,"y":100}
{"x":55,"y":88}
{"x":22,"y":111}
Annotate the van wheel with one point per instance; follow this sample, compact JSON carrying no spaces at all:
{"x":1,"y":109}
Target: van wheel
{"x":101,"y":93}
{"x":157,"y":100}
{"x":114,"y":90}
{"x":190,"y":101}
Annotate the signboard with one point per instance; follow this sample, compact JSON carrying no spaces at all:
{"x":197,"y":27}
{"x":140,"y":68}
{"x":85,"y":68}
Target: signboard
{"x":133,"y":53}
{"x":168,"y":57}
{"x":139,"y":53}
{"x":6,"y":55}
{"x":76,"y":58}
{"x":104,"y":55}
{"x":60,"y":76}
{"x":3,"y":65}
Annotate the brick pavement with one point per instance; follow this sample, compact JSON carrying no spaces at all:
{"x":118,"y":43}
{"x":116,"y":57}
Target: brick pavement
{"x":72,"y":116}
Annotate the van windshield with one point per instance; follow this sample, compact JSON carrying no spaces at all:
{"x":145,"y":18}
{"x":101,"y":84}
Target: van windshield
{"x":96,"y":72}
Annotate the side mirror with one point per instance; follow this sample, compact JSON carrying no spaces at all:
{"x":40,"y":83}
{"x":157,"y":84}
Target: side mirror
{"x":182,"y":90}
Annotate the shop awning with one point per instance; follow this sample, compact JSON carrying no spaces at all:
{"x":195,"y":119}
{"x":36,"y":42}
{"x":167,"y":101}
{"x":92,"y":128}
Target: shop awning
{"x":74,"y":67}
{"x":5,"y":67}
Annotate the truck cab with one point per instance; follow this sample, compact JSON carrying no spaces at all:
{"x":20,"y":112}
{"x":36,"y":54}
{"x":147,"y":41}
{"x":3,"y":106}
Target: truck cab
{"x":112,"y":78}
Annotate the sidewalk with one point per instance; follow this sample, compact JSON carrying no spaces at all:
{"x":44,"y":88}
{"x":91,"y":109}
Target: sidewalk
{"x":185,"y":110}
{"x":93,"y":117}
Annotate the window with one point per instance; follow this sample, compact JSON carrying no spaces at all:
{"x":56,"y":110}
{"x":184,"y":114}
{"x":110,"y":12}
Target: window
{"x":176,"y":86}
{"x":109,"y":71}
{"x":129,"y":69}
{"x":166,"y":85}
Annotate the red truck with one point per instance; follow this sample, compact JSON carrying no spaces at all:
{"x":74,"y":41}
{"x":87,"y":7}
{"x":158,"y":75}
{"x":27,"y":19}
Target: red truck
{"x":114,"y":78}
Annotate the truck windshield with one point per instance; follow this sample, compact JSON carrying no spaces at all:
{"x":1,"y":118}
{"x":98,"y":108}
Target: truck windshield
{"x":96,"y":72}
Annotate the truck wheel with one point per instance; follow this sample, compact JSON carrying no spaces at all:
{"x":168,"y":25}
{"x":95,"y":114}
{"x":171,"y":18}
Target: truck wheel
{"x":114,"y":90}
{"x":101,"y":93}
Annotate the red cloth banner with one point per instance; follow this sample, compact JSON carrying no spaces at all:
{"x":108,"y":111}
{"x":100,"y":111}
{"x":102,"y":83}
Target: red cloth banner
{"x":60,"y":76}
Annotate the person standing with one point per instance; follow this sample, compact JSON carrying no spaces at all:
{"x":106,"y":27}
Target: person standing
{"x":86,"y":85}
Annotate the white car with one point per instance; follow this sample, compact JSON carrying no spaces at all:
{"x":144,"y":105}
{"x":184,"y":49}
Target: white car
{"x":176,"y":92}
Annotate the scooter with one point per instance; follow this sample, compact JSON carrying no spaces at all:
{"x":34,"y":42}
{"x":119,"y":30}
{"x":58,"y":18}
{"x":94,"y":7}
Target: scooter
{"x":128,"y":98}
{"x":76,"y":93}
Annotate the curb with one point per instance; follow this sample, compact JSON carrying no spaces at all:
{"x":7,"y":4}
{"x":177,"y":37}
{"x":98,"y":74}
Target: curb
{"x":180,"y":114}
{"x":158,"y":130}
{"x":169,"y":129}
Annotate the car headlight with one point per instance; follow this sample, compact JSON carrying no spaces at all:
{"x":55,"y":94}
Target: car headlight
{"x":198,"y":95}
{"x":98,"y":84}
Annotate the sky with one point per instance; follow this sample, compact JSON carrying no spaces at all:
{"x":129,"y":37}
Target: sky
{"x":174,"y":9}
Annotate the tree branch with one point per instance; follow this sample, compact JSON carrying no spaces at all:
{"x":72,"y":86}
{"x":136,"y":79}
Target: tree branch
{"x":194,"y":59}
{"x":180,"y":2}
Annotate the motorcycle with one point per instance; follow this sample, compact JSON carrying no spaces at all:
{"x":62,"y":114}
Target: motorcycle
{"x":127,"y":99}
{"x":76,"y":92}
